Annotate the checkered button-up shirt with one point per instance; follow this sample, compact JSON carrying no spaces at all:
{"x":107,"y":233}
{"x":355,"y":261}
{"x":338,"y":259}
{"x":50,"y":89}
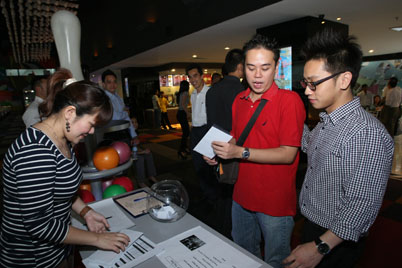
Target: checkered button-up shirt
{"x":349,"y":162}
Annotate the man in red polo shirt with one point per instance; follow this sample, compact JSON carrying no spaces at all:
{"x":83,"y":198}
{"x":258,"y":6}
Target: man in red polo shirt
{"x":264,"y":198}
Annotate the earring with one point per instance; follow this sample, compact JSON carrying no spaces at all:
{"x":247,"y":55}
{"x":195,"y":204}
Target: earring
{"x":68,"y":126}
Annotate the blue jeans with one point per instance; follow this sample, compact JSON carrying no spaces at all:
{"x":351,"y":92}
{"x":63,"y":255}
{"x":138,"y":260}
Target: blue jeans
{"x":246,"y":232}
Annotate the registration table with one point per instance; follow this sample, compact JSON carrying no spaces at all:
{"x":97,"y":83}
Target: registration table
{"x":159,"y":231}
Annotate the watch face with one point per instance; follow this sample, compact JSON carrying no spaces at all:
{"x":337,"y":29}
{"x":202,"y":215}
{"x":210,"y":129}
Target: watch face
{"x":246,"y":153}
{"x":323,"y":248}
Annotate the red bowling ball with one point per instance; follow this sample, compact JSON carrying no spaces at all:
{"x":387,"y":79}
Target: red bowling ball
{"x":123,"y":150}
{"x":125,"y":182}
{"x":106,"y":158}
{"x":86,"y":196}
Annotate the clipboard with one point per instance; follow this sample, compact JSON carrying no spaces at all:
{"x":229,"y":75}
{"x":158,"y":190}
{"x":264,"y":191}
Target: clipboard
{"x":136,"y":203}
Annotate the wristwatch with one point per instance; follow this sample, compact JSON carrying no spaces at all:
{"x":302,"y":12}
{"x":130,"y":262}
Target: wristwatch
{"x":245,"y":154}
{"x":322,"y":247}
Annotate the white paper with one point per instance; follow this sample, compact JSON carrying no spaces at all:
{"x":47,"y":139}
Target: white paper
{"x":139,"y":250}
{"x":204,"y":146}
{"x":165,"y":213}
{"x":114,"y":215}
{"x":199,"y":248}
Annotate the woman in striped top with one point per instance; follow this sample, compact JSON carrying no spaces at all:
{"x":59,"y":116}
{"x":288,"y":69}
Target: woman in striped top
{"x":41,"y":177}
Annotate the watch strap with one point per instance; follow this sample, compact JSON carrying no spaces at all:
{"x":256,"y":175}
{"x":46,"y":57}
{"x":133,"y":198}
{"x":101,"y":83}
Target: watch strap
{"x":84,"y":211}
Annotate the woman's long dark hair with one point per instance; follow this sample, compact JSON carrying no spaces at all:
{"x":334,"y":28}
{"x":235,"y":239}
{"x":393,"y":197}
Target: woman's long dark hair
{"x":85,"y":96}
{"x":184,"y":86}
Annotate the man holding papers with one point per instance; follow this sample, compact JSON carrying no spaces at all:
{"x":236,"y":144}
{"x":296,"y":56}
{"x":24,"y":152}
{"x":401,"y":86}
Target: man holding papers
{"x":264,"y":198}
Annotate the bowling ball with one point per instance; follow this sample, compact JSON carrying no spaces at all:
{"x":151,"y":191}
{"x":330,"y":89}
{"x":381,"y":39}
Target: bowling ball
{"x":86,"y":196}
{"x":113,"y":190}
{"x":106,"y":158}
{"x":106,"y":183}
{"x":125,"y":182}
{"x":85,"y":185}
{"x":123,"y":150}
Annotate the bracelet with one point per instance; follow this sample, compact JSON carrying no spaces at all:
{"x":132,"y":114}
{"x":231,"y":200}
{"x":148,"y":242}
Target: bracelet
{"x":84,"y":211}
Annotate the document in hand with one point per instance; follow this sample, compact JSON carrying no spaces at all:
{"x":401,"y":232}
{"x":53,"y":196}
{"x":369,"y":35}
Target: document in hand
{"x":204,"y":146}
{"x":139,"y":250}
{"x":199,"y":248}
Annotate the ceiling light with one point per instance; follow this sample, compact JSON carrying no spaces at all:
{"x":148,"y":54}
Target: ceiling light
{"x":173,"y":70}
{"x":195,"y":56}
{"x":371,"y":50}
{"x":227,"y":48}
{"x":339,"y":18}
{"x":321,"y":17}
{"x":396,"y":28}
{"x":205,"y":70}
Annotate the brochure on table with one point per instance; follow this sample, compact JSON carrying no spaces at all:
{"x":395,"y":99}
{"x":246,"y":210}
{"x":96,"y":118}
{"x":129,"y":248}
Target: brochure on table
{"x":116,"y":218}
{"x":199,"y":248}
{"x":139,"y":250}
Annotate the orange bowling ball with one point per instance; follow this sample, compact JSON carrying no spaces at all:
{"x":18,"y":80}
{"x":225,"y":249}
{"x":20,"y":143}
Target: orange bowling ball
{"x":105,"y":158}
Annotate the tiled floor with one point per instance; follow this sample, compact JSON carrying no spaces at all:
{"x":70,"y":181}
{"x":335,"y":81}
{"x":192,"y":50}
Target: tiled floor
{"x":383,"y":246}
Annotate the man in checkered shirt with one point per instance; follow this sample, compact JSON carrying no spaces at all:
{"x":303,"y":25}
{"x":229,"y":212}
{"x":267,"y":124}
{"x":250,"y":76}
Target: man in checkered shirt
{"x":349,"y":158}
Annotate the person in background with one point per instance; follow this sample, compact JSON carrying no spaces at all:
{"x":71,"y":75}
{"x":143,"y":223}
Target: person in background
{"x":377,"y":106}
{"x":219,"y":102}
{"x":157,"y":109}
{"x":109,"y":82}
{"x":264,"y":196}
{"x":182,"y":98}
{"x":366,"y":98}
{"x":392,"y":98}
{"x":31,"y":114}
{"x":199,"y":128}
{"x":144,"y":164}
{"x":41,"y":178}
{"x":349,"y":158}
{"x":215,"y":78}
{"x":220,"y":97}
{"x":164,"y":115}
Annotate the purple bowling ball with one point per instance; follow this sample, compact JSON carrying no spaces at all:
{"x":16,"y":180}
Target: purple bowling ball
{"x":106,"y":183}
{"x":123,"y":150}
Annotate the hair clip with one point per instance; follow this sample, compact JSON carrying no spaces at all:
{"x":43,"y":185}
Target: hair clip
{"x":69,"y":82}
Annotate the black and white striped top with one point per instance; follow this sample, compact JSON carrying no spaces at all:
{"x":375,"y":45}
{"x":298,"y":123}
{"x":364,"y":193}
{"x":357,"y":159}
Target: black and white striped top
{"x":39,"y":185}
{"x":349,"y":162}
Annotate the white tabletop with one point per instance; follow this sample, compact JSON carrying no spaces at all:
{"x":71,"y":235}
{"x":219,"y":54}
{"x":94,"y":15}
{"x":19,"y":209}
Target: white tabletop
{"x":158,"y":232}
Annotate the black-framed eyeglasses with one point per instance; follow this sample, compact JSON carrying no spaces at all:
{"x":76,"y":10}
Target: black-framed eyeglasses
{"x":313,"y":85}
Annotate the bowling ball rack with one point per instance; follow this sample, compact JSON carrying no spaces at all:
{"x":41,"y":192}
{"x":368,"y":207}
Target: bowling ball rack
{"x":89,"y":171}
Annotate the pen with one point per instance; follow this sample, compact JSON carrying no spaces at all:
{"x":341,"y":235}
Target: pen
{"x":139,"y":199}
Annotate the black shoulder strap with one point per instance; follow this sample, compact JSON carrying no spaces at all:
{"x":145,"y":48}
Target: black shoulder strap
{"x":250,"y":123}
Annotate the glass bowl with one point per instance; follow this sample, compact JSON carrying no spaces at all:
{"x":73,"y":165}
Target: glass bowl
{"x":167,"y":201}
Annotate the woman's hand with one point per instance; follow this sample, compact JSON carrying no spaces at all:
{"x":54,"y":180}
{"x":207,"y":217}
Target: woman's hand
{"x":112,"y":241}
{"x":96,"y":222}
